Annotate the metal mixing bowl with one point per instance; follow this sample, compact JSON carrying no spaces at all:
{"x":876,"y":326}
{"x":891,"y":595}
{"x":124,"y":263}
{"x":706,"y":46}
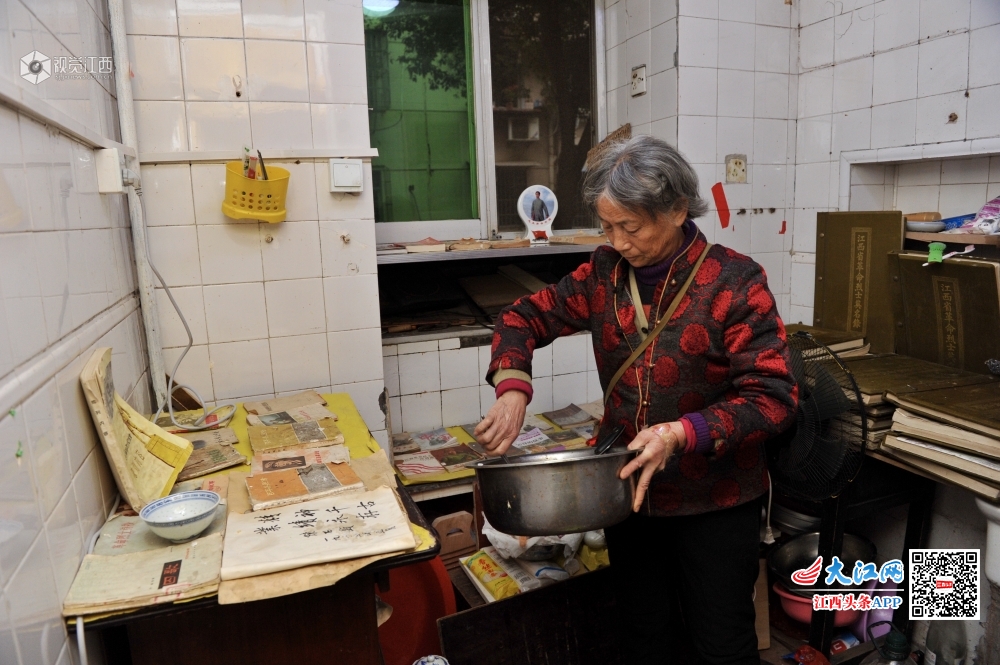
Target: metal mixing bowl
{"x":801,"y":551}
{"x":554,"y":493}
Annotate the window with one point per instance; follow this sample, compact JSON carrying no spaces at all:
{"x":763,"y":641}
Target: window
{"x":420,"y":99}
{"x":543,"y":97}
{"x":460,"y":134}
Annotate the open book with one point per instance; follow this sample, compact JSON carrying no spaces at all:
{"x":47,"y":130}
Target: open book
{"x":144,"y":458}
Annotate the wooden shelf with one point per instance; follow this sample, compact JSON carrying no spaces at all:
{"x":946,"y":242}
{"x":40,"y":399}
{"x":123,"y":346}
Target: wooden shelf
{"x":955,"y":238}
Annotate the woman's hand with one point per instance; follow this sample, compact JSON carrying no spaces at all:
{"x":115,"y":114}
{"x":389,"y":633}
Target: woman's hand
{"x":658,"y":444}
{"x":503,"y":423}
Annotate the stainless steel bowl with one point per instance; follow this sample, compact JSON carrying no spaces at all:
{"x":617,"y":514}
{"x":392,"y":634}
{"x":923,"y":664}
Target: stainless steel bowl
{"x":802,"y":550}
{"x":554,"y":493}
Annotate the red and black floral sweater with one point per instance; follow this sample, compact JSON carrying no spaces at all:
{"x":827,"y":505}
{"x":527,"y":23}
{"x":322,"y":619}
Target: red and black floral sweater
{"x":722,"y":362}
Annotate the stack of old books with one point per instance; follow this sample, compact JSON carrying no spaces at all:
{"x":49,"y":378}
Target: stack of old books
{"x":432,"y":452}
{"x":844,"y":344}
{"x":421,"y":456}
{"x":950,"y":434}
{"x":298,"y":452}
{"x":882,"y":375}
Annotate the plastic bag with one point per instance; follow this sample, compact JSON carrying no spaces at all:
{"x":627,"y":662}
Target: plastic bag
{"x":512,"y":547}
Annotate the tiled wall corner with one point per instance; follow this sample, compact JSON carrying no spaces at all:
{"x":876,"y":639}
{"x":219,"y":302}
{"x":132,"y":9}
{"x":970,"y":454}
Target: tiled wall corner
{"x":437,"y":383}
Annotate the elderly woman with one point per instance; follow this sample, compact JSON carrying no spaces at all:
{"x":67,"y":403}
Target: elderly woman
{"x":699,"y":401}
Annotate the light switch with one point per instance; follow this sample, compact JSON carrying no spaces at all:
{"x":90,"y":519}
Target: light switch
{"x":346,"y":175}
{"x":639,"y":80}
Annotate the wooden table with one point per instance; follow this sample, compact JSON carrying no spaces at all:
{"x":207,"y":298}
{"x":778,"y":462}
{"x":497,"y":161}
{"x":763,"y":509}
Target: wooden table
{"x":334,"y":624}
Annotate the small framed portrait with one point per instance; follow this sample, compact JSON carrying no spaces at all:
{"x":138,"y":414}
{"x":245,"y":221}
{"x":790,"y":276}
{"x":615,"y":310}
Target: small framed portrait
{"x":537,"y":204}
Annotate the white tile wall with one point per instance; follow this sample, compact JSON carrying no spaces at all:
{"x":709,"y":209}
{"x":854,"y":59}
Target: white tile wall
{"x":275,"y":75}
{"x":462,"y":389}
{"x":300,"y":362}
{"x":57,"y":486}
{"x":262,"y":76}
{"x":891,"y":82}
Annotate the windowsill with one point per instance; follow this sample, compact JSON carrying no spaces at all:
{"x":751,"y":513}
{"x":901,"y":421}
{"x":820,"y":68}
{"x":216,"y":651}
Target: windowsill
{"x":537,"y":250}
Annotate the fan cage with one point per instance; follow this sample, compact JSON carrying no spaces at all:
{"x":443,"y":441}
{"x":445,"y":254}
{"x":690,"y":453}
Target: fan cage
{"x":823,"y":451}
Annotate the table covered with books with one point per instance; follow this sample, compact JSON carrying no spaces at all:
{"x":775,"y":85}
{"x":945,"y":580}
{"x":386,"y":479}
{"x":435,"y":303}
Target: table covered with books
{"x":309,"y":515}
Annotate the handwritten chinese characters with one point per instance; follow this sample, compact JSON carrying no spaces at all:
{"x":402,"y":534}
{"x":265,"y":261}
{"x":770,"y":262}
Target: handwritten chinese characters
{"x":329,"y":529}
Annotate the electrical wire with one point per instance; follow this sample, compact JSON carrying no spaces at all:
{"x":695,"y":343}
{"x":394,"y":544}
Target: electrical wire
{"x":768,"y":532}
{"x":81,"y":638}
{"x":172,"y":385}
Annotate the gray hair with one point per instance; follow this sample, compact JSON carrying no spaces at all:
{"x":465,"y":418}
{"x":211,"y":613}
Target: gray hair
{"x":644,"y":173}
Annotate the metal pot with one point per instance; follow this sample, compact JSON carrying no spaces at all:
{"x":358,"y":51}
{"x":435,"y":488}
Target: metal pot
{"x":801,"y":551}
{"x":554,"y":493}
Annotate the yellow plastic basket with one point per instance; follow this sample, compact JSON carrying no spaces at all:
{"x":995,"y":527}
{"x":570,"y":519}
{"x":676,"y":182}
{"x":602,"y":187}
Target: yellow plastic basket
{"x":255,"y":199}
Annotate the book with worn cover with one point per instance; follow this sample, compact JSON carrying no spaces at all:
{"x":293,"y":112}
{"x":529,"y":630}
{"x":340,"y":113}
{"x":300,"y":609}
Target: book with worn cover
{"x":309,"y":434}
{"x":222,"y":437}
{"x":188,"y":418}
{"x":876,"y":375}
{"x":297,"y":414}
{"x":272,"y":489}
{"x":144,"y":458}
{"x":145,"y":577}
{"x":428,"y":244}
{"x":852,"y":290}
{"x":277,"y":404}
{"x":944,"y":474}
{"x":570,"y":416}
{"x":403,"y":444}
{"x":438,"y":438}
{"x":418,"y":464}
{"x":835,"y":340}
{"x":208,"y":458}
{"x":533,"y":441}
{"x":973,"y":465}
{"x":909,"y":424}
{"x":974,"y":407}
{"x":296,"y":458}
{"x":570,"y":439}
{"x":334,"y":528}
{"x":456,"y":458}
{"x":949,"y":312}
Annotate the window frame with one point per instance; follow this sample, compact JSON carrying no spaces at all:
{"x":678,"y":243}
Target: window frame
{"x":482,"y":97}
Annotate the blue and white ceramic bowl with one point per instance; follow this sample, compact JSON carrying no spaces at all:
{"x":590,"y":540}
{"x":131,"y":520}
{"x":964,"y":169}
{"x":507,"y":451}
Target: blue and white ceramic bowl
{"x":182,"y":516}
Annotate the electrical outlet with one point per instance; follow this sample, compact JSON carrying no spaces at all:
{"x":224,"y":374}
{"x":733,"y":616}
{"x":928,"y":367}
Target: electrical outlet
{"x":639,"y":80}
{"x":736,"y":168}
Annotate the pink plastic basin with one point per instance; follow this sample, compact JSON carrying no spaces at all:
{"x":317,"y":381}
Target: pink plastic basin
{"x":800,"y":608}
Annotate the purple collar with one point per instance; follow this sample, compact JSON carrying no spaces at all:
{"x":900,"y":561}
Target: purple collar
{"x":656,"y":273}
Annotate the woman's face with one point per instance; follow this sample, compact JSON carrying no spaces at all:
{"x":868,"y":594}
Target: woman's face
{"x":638,"y":236}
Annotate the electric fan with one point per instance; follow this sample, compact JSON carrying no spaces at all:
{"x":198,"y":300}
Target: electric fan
{"x":823,"y":451}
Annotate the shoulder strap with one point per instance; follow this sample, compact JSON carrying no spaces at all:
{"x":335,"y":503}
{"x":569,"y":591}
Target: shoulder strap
{"x":674,"y":304}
